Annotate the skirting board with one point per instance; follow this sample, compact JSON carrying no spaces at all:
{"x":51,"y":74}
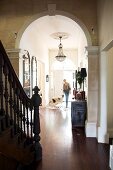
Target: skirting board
{"x":91,"y":129}
{"x":111,"y":157}
{"x":103,"y":136}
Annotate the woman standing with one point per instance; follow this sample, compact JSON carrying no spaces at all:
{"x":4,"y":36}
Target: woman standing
{"x":66,"y":90}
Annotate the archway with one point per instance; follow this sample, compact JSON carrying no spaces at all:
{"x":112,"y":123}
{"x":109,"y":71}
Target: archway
{"x":62,"y":22}
{"x":62,"y":13}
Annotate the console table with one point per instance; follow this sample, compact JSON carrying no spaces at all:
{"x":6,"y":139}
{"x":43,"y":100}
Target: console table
{"x":78,"y":113}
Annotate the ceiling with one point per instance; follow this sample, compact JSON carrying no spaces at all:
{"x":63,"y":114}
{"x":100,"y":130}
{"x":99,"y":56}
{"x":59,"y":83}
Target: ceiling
{"x":41,"y":29}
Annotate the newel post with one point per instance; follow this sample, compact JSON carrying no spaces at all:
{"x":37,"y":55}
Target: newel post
{"x":36,"y":102}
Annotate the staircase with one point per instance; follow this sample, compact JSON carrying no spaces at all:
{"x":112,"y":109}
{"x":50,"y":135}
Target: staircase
{"x":18,"y":143}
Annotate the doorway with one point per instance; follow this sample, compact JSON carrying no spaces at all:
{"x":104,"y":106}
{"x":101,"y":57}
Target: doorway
{"x":56,"y":83}
{"x":48,"y":48}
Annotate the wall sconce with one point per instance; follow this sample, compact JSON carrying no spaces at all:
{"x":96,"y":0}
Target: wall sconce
{"x":47,"y":78}
{"x":93,"y":31}
{"x":15,"y":35}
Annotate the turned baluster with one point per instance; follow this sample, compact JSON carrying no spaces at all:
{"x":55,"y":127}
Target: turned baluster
{"x":11,"y":99}
{"x":18,"y":109}
{"x":20,"y":117}
{"x":1,"y":85}
{"x":27,"y":120}
{"x":2,"y":122}
{"x":36,"y":102}
{"x":6,"y":95}
{"x":24,"y":118}
{"x":14,"y":108}
{"x":31,"y":123}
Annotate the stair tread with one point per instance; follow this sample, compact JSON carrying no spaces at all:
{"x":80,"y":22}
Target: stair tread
{"x":22,"y":155}
{"x":2,"y":117}
{"x":11,"y":147}
{"x":7,"y":130}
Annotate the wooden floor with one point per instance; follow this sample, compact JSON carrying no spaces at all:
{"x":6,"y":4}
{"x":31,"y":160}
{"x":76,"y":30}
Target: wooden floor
{"x":67,"y":149}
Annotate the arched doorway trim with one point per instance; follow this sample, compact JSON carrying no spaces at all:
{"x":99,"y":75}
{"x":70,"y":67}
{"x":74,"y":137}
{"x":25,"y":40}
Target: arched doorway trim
{"x":66,"y":14}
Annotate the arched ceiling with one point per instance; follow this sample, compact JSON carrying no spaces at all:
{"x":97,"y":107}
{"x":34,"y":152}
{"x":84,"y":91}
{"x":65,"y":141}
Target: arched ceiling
{"x":41,"y":29}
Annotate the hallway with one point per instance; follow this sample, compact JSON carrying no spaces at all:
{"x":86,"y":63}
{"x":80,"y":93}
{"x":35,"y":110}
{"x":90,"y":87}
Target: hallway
{"x":67,"y":149}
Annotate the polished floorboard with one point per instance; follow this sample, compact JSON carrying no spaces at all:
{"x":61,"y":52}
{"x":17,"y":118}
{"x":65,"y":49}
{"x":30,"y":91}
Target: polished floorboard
{"x":67,"y":149}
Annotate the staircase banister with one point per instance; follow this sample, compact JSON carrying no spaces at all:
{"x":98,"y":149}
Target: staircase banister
{"x":6,"y":60}
{"x":16,"y":111}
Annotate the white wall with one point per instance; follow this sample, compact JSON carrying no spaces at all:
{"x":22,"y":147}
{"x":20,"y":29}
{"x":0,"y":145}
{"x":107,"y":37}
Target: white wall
{"x":40,"y":51}
{"x":105,"y":22}
{"x":105,"y":26}
{"x":110,"y":91}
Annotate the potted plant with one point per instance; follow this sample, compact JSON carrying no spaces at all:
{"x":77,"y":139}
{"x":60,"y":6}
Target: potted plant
{"x":79,"y":78}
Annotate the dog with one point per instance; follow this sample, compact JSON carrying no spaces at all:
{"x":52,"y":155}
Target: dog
{"x":56,"y":102}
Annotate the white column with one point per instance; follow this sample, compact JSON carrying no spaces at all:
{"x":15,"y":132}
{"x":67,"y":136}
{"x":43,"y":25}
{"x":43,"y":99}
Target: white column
{"x":103,"y":137}
{"x":93,"y":92}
